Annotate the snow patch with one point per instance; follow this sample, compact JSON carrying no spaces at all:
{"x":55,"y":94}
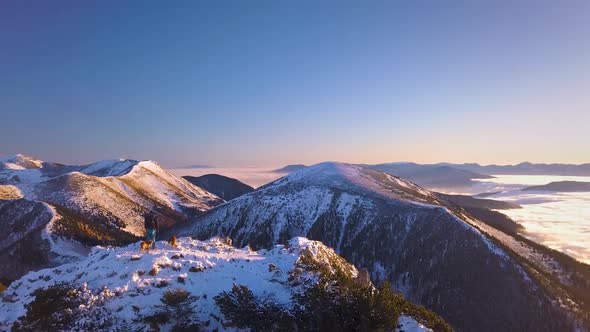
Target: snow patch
{"x":409,"y":324}
{"x":114,"y":167}
{"x":10,"y":192}
{"x":65,"y":250}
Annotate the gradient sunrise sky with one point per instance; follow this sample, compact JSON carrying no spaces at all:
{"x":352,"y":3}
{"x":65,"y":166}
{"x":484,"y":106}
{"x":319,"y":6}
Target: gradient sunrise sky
{"x":259,"y":83}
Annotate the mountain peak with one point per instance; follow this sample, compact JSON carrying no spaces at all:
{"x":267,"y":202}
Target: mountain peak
{"x":290,"y":168}
{"x":109,"y":167}
{"x":14,"y":156}
{"x":19,"y":161}
{"x":324,"y":168}
{"x":356,"y":178}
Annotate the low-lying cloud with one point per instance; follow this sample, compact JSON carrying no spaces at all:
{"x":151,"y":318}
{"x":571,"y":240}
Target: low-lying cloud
{"x":560,"y":221}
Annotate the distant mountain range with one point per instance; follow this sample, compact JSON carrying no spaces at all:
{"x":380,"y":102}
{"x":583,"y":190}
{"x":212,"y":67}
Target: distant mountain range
{"x":51,"y":213}
{"x":290,"y":168}
{"x":526,"y":169}
{"x":470,"y":201}
{"x":222,"y":186}
{"x":562,"y":186}
{"x":451,"y":176}
{"x":195,"y":166}
{"x":431,"y":176}
{"x":431,"y":249}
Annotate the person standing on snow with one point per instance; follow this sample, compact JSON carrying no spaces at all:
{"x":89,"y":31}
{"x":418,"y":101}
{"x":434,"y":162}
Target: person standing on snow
{"x":151,"y":228}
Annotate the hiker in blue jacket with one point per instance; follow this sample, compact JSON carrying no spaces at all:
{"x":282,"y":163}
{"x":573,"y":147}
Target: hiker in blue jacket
{"x":151,"y":228}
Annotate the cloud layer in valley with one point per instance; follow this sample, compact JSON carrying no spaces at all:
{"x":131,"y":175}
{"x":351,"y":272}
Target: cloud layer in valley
{"x":558,"y":220}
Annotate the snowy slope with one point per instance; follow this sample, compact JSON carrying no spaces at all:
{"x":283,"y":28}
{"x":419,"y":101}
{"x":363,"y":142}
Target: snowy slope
{"x":146,"y":178}
{"x":114,"y":167}
{"x":19,"y":162}
{"x":100,"y":203}
{"x":10,"y":192}
{"x":434,"y":252}
{"x":121,"y":285}
{"x":21,"y":246}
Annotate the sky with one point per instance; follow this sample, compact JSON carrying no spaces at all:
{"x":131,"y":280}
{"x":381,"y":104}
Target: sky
{"x":269,"y":83}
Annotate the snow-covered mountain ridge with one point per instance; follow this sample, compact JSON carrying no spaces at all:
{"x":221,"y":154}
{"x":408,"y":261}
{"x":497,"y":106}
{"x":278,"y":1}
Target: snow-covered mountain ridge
{"x":100,"y":203}
{"x":433,"y":251}
{"x":355,"y":178}
{"x":27,"y":173}
{"x":126,"y":289}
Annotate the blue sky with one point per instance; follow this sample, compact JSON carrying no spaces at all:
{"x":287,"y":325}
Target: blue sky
{"x":252,"y":83}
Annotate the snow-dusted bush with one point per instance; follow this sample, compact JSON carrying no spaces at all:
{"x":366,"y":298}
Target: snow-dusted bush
{"x":333,"y":304}
{"x":176,"y":309}
{"x":244,"y":310}
{"x":65,"y":307}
